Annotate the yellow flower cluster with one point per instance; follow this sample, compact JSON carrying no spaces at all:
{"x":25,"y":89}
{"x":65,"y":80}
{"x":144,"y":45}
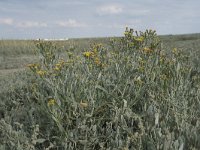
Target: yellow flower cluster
{"x":36,"y":68}
{"x":175,"y":51}
{"x":98,"y":45}
{"x":41,"y":72}
{"x":94,"y":55}
{"x":147,"y":50}
{"x":33,"y":66}
{"x":88,"y":54}
{"x":97,"y":61}
{"x":128,"y":32}
{"x":51,"y":102}
{"x":59,"y":65}
{"x":139,"y":39}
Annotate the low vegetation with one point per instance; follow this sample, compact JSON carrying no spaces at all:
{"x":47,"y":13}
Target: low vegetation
{"x":130,"y":94}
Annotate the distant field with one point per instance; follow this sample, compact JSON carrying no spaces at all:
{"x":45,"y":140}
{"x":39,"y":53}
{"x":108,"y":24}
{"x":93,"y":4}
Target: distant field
{"x":15,"y":54}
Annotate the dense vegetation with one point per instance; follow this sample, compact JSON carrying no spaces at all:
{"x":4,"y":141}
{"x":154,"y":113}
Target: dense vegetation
{"x":132,"y":92}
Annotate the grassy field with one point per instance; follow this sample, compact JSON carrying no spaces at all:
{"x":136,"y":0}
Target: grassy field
{"x":135,"y":93}
{"x":15,"y":54}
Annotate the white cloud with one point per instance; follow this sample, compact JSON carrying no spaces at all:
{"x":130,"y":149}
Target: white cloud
{"x":71,"y":23}
{"x":138,"y":12}
{"x":122,"y":25}
{"x":31,"y":24}
{"x":6,"y":21}
{"x":110,"y":9}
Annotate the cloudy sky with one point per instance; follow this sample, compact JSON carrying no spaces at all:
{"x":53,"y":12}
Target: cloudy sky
{"x":27,"y":19}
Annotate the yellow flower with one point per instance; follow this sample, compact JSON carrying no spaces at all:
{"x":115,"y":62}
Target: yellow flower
{"x":175,"y":51}
{"x":131,"y":44}
{"x":147,"y":50}
{"x":126,"y":33}
{"x":95,"y":50}
{"x":88,"y":54}
{"x":30,"y":65}
{"x":97,"y":61}
{"x":139,"y":39}
{"x":58,"y":65}
{"x":33,"y":66}
{"x":57,"y":68}
{"x":51,"y":102}
{"x":41,"y":72}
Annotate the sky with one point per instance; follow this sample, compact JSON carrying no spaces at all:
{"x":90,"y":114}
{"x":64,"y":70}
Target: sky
{"x":32,"y":19}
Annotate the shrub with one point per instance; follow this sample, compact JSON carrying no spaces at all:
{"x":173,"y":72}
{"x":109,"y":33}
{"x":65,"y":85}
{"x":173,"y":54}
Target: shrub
{"x":131,"y":95}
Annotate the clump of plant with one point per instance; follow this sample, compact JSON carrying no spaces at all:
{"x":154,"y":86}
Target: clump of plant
{"x":131,"y":95}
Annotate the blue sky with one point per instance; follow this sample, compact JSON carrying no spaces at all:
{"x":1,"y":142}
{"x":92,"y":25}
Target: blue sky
{"x":29,"y":19}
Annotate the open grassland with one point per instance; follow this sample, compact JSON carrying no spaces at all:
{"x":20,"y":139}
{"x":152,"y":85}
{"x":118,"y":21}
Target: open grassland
{"x":130,"y":92}
{"x":16,"y":54}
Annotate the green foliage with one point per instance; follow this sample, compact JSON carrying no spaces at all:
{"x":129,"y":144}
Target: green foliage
{"x":131,"y":95}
